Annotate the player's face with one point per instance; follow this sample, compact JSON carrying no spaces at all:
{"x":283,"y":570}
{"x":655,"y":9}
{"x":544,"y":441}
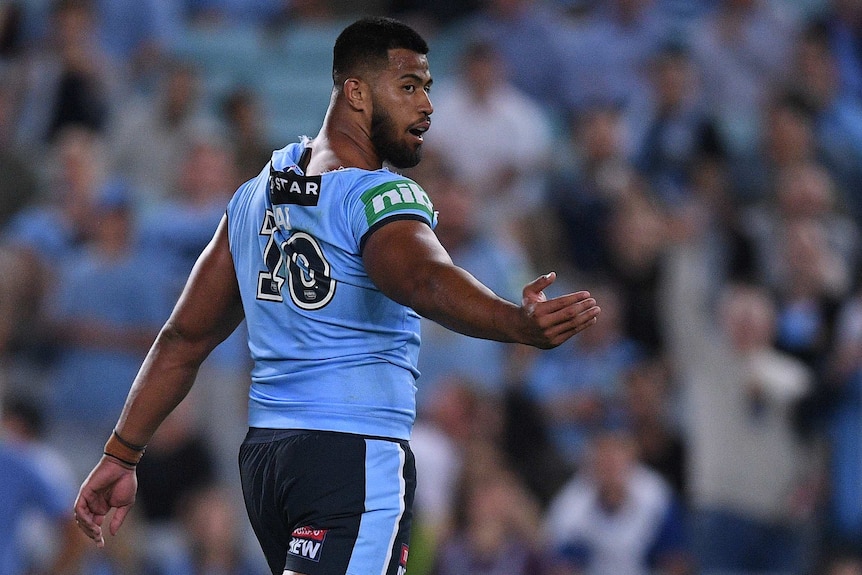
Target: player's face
{"x":401,"y":108}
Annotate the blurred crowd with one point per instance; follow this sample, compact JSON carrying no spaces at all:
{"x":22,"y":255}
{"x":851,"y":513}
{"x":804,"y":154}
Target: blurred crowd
{"x":695,"y":164}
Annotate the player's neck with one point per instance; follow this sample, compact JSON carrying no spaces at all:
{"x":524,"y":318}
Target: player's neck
{"x":343,"y":142}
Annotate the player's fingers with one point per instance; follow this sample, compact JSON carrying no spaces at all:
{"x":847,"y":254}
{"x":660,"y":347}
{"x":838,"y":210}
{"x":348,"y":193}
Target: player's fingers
{"x":94,"y":533}
{"x":89,"y":522}
{"x":82,"y":510}
{"x":562,"y":311}
{"x":85,"y":514}
{"x":561,"y":333}
{"x":556,"y":304}
{"x":570,"y":325}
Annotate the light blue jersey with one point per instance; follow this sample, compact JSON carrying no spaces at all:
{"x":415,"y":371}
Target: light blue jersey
{"x":330,"y":351}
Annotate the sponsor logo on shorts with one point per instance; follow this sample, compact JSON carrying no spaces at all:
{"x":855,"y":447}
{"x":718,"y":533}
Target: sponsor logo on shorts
{"x":306,"y":542}
{"x":402,"y":561}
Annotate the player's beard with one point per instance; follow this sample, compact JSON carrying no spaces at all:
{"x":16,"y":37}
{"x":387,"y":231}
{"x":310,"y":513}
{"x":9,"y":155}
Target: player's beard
{"x":384,"y":137}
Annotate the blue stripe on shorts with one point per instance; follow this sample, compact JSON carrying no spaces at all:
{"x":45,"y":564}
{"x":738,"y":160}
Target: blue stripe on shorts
{"x":384,"y":505}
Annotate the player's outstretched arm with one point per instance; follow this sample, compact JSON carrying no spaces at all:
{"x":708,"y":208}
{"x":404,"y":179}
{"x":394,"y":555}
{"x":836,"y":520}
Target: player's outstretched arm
{"x":208,"y":310}
{"x":407,"y":263}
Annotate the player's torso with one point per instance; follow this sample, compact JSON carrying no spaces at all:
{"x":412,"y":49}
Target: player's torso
{"x":313,"y":313}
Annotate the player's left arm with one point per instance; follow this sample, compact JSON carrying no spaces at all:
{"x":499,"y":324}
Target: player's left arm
{"x":207,"y":312}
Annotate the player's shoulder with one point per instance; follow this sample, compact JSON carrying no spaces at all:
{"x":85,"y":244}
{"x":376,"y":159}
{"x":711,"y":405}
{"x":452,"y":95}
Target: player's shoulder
{"x":383,"y":191}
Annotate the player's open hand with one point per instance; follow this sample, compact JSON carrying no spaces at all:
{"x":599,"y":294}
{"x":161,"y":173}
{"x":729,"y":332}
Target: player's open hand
{"x":109,"y":486}
{"x":550,"y":322}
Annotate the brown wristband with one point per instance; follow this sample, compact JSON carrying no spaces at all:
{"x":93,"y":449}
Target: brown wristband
{"x":123,"y":451}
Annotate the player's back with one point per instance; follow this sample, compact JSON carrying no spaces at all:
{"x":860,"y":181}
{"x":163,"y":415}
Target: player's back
{"x":330,"y":350}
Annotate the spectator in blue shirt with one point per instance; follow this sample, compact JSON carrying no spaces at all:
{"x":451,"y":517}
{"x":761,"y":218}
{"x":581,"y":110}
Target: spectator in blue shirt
{"x":23,"y":489}
{"x":105,"y":309}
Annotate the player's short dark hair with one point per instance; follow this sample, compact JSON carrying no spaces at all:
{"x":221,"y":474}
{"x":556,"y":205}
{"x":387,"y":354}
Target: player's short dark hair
{"x":365,"y":44}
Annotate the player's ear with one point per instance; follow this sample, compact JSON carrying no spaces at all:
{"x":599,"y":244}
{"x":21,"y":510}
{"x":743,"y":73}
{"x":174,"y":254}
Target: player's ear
{"x":357,"y":93}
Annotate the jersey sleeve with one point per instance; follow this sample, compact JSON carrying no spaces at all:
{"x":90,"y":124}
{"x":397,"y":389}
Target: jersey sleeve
{"x":387,"y":200}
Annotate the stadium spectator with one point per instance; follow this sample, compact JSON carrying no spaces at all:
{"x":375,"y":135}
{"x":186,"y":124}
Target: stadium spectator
{"x":607,"y":53}
{"x":590,"y":172}
{"x":452,"y":420}
{"x":787,"y":139}
{"x":498,"y":525}
{"x":176,"y":230}
{"x":579,"y":385}
{"x":651,"y":412}
{"x":40,"y":538}
{"x":241,"y":113}
{"x":807,"y":252}
{"x":18,"y":179}
{"x":479,"y":122}
{"x":834,"y":410}
{"x":26,"y":489}
{"x":807,"y":304}
{"x":138,"y":35}
{"x":617,"y":516}
{"x":209,"y":540}
{"x":54,"y":228}
{"x":750,"y":475}
{"x":179,"y":226}
{"x":843,"y":22}
{"x":836,"y":113}
{"x":42,"y":238}
{"x":68,"y":78}
{"x":102,"y":312}
{"x":636,"y":236}
{"x":15,"y":281}
{"x":525,"y":437}
{"x":149,"y":134}
{"x":180,"y":461}
{"x":736,"y":88}
{"x":669,"y":124}
{"x":11,"y":28}
{"x":529,"y":37}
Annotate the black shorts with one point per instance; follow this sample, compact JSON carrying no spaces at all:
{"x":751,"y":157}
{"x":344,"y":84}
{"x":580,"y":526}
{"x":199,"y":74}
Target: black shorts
{"x":327,"y":503}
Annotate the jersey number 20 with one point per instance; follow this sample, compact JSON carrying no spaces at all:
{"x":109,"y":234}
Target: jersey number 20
{"x":300,"y":262}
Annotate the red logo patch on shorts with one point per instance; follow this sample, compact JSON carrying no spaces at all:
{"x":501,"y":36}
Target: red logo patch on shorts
{"x":306,"y":542}
{"x":402,"y":560}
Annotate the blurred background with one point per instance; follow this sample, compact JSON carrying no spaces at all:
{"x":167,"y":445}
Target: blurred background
{"x":695,"y":164}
